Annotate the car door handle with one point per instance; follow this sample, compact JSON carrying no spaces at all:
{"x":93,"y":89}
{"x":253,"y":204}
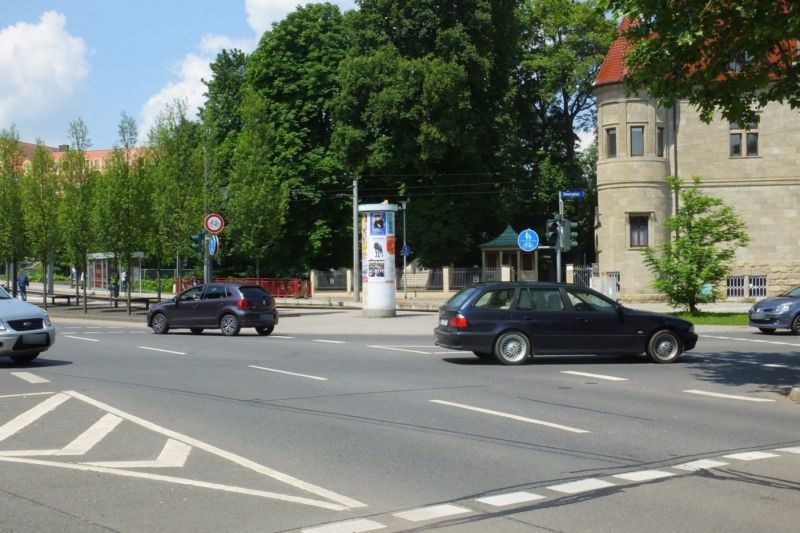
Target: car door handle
{"x":582,"y":319}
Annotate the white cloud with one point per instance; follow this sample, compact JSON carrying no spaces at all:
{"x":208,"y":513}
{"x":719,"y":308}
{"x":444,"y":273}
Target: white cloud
{"x":42,"y":67}
{"x":262,"y":13}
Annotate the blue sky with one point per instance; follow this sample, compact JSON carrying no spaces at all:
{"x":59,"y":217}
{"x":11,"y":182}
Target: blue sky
{"x":95,"y":59}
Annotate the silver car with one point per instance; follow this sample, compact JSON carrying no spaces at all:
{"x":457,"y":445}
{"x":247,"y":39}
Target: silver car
{"x":25,"y":329}
{"x":778,"y":312}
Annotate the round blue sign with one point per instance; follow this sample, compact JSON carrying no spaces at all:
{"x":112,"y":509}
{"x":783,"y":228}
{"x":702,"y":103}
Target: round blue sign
{"x":213,"y":244}
{"x":528,"y":240}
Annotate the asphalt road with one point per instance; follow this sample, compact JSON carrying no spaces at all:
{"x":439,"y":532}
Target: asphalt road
{"x":335,"y":423}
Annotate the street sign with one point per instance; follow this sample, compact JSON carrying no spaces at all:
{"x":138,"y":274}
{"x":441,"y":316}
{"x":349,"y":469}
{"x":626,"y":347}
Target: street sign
{"x":572,"y":194}
{"x":406,"y":250}
{"x":213,"y":244}
{"x":214,"y":223}
{"x":528,"y":240}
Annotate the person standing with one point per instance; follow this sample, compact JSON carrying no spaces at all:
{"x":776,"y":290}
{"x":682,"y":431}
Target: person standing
{"x":22,"y":284}
{"x":124,"y":277}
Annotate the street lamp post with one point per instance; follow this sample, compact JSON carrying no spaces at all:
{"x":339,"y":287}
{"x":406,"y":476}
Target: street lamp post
{"x":356,"y":262}
{"x":404,"y":204}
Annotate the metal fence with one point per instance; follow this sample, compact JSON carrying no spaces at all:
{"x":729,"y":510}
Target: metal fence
{"x":330,"y":280}
{"x":582,"y":275}
{"x":461,"y":277}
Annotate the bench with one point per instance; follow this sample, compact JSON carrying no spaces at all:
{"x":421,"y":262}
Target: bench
{"x":146,"y":300}
{"x":67,"y":297}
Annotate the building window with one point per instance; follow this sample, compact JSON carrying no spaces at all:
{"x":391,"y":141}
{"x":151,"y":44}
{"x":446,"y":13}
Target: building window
{"x":639,"y":225}
{"x":749,"y":135}
{"x":611,"y":142}
{"x":637,"y":141}
{"x":660,"y":142}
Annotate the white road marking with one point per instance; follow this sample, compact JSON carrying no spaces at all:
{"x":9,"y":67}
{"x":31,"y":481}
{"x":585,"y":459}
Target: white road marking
{"x":81,"y":338}
{"x":583,"y":485}
{"x":728,"y":396}
{"x":399,"y":349}
{"x":750,"y":456}
{"x":429,"y":513}
{"x":644,"y":475}
{"x":329,"y":342}
{"x":173,"y":455}
{"x":751,"y":340}
{"x":796,"y":449}
{"x":89,"y":438}
{"x":348,"y":526}
{"x":512,"y":417}
{"x":597,"y":376}
{"x":25,"y":394}
{"x":30,"y":377}
{"x":511,"y":498}
{"x":774,"y":365}
{"x":162,"y":350}
{"x":701,"y":464}
{"x":288,"y":373}
{"x":32,"y":415}
{"x":280,"y":337}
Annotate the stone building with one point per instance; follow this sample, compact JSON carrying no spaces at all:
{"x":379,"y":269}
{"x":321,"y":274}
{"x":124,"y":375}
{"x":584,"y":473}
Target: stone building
{"x":753,"y":168}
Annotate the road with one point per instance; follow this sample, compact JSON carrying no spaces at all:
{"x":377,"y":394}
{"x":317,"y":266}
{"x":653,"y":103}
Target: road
{"x":339,"y":424}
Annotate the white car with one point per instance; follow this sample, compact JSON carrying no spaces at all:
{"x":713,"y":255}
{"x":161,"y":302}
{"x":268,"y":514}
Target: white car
{"x":25,"y":329}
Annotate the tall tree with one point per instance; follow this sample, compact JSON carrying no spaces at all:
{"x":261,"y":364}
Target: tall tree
{"x":12,"y":234}
{"x":717,"y":54}
{"x":40,"y":201}
{"x":74,"y":216}
{"x":707,"y":234}
{"x":424,"y":106}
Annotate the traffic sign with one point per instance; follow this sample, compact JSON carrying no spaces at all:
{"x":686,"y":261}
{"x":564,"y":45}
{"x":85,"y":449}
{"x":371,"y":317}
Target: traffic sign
{"x":528,"y":240}
{"x":406,"y":250}
{"x":572,"y":194}
{"x":214,"y":223}
{"x":213,"y":244}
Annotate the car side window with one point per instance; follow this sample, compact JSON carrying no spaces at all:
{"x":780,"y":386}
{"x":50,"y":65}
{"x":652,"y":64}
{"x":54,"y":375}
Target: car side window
{"x":525,"y":301}
{"x":547,"y":300}
{"x":495,"y":299}
{"x":586,"y":301}
{"x":214,"y":292}
{"x":191,"y":295}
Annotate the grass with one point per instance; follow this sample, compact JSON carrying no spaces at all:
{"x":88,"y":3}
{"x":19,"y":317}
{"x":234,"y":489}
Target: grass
{"x":715,"y":319}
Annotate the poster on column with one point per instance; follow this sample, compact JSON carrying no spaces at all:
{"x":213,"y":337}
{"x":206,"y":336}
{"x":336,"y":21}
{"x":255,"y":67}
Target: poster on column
{"x":380,"y":247}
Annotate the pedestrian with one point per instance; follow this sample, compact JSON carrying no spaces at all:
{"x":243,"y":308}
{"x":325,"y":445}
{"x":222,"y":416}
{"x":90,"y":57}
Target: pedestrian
{"x":83,"y":278}
{"x":125,"y":280}
{"x":22,"y":283}
{"x":73,"y":277}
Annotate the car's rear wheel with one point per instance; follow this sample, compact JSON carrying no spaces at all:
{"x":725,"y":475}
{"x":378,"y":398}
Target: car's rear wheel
{"x":265,"y":330}
{"x":27,"y":358}
{"x":768,"y":331}
{"x":664,"y":347}
{"x":796,"y":325}
{"x":229,"y":325}
{"x":486,"y":356}
{"x":160,"y":324}
{"x":512,"y":348}
{"x":196,"y":331}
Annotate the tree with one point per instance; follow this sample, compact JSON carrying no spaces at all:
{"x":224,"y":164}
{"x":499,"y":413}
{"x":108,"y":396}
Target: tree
{"x":40,"y":201}
{"x":717,"y":54}
{"x":12,"y":233}
{"x":74,"y":216}
{"x":707,"y":233}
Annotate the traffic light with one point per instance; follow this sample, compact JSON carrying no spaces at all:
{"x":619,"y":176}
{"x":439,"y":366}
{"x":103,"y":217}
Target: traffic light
{"x":198,"y":239}
{"x":569,"y":239}
{"x":551,"y":231}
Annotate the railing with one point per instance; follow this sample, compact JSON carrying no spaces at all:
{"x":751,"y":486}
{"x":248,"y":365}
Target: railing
{"x":582,"y":275}
{"x":461,"y":277}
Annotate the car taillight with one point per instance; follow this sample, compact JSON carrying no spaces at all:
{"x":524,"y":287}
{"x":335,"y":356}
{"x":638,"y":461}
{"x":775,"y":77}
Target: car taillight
{"x":243,"y":304}
{"x":457,"y":322}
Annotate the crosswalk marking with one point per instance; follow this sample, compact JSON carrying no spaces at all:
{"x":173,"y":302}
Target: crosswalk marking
{"x":429,"y":513}
{"x":30,"y":377}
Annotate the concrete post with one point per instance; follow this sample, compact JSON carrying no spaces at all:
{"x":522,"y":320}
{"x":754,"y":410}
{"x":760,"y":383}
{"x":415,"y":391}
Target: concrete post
{"x":505,"y":273}
{"x":570,"y":277}
{"x":312,"y":281}
{"x":349,"y":276}
{"x":446,"y":279}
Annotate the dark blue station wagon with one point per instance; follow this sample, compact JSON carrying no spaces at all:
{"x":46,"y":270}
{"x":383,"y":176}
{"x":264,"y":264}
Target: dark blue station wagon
{"x":515,"y":321}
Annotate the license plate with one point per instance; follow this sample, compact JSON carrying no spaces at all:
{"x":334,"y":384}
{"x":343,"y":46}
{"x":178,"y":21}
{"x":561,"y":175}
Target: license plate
{"x":757,"y":316}
{"x":35,"y":339}
{"x":442,"y":321}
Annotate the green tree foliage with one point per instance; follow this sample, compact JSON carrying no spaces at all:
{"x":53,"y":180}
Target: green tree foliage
{"x":74,"y":216}
{"x":284,"y":167}
{"x":12,"y":234}
{"x":707,"y":234}
{"x":424,"y":106}
{"x":40,"y":202}
{"x":718,"y":54}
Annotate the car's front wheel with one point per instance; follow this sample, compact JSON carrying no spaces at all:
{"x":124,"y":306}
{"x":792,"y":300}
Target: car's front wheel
{"x":664,"y":347}
{"x":160,"y":324}
{"x":512,"y":348}
{"x":27,"y":358}
{"x":265,"y":330}
{"x":768,"y":331}
{"x":229,"y":325}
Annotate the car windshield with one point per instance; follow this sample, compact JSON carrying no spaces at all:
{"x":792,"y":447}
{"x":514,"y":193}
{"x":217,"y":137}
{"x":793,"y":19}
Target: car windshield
{"x":4,"y":295}
{"x":458,"y":299}
{"x":792,"y":292}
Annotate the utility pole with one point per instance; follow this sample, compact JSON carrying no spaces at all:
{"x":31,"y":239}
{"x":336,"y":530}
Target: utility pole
{"x":206,"y":255}
{"x":356,"y":262}
{"x":560,"y":240}
{"x":404,"y":203}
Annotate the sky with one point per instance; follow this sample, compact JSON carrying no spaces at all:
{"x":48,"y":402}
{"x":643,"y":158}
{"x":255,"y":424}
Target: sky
{"x":61,"y":60}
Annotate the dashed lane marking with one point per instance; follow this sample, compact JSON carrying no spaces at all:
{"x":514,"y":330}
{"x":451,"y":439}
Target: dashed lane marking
{"x":434,"y":511}
{"x":280,"y":337}
{"x":511,"y":498}
{"x":161,"y":350}
{"x":701,"y":464}
{"x":81,"y":338}
{"x":750,"y":456}
{"x":584,"y":485}
{"x":512,"y":417}
{"x":329,"y":342}
{"x":644,"y":475}
{"x":596,"y":376}
{"x":348,"y":526}
{"x":30,"y":377}
{"x":728,"y":396}
{"x":288,"y":373}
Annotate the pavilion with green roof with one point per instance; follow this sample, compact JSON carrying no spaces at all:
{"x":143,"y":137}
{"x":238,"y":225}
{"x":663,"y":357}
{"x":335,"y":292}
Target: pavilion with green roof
{"x":504,"y":250}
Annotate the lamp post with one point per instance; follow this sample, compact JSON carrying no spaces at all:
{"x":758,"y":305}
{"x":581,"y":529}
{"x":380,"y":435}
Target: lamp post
{"x":404,"y":205}
{"x":356,"y":262}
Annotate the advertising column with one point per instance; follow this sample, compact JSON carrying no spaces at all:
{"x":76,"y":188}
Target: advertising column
{"x":377,"y":259}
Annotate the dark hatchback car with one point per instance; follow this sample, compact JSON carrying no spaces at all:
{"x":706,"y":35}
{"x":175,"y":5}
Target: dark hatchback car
{"x":224,"y":306}
{"x":514,"y":321}
{"x":778,"y":312}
